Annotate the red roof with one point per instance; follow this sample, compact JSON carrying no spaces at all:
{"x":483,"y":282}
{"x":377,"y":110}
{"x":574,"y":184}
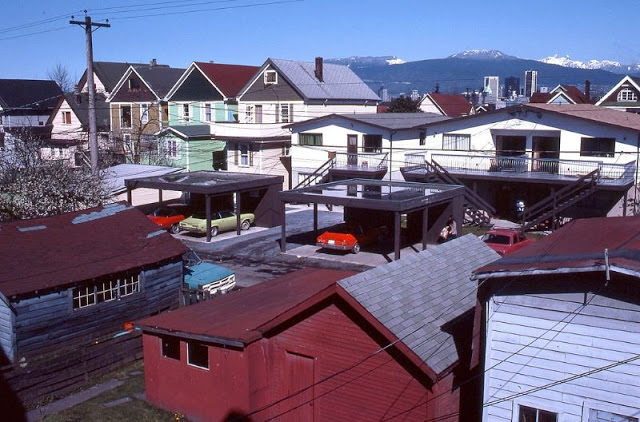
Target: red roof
{"x":239,"y":316}
{"x":593,"y":113}
{"x":541,"y":97}
{"x":57,"y":251}
{"x":453,"y":105}
{"x":567,"y":248}
{"x":229,"y":78}
{"x":575,"y":94}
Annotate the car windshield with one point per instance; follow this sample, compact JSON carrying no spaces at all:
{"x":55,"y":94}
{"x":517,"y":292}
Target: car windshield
{"x":499,"y":239}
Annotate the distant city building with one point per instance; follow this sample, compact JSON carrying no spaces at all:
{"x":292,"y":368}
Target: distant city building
{"x":511,"y":87}
{"x":491,"y":89}
{"x":543,"y":89}
{"x":383,"y":93}
{"x":415,"y":95}
{"x":530,"y":82}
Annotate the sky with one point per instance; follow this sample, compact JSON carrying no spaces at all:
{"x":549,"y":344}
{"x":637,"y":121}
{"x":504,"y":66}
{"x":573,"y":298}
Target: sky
{"x":35,"y":35}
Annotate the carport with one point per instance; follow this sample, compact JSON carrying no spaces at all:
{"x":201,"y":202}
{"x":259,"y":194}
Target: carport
{"x":378,"y":201}
{"x":257,"y":189}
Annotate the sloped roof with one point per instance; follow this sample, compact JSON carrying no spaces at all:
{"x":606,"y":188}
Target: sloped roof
{"x":453,"y":105}
{"x":115,"y":176}
{"x":593,"y":113}
{"x":228,"y":78}
{"x":79,"y":103}
{"x":390,"y":121}
{"x":53,"y":252}
{"x":159,"y":78}
{"x":417,"y":295}
{"x":110,"y":73}
{"x":540,"y":97}
{"x":565,"y":250}
{"x":29,"y":94}
{"x":237,"y":317}
{"x":575,"y":94}
{"x":339,"y":82}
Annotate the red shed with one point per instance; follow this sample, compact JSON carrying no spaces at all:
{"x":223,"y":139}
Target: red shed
{"x":322,"y":344}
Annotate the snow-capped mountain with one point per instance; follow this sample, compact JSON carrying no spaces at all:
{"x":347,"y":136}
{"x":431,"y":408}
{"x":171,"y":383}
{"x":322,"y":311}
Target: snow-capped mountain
{"x":609,"y":65}
{"x":481,"y":55}
{"x":367,"y":60}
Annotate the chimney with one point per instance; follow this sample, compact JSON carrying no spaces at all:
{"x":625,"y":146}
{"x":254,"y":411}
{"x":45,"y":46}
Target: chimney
{"x":319,"y":70}
{"x":587,"y":90}
{"x":153,"y":63}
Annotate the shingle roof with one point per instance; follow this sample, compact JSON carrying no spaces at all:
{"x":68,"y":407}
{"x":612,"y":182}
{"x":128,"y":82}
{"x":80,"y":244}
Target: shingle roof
{"x":53,"y":252}
{"x":415,"y":296}
{"x":110,"y":73}
{"x":229,"y":78}
{"x":79,"y":103}
{"x":453,"y":105}
{"x":593,"y":113}
{"x":29,"y":94}
{"x":540,"y":97}
{"x":567,"y":249}
{"x":159,"y":78}
{"x":339,"y":82}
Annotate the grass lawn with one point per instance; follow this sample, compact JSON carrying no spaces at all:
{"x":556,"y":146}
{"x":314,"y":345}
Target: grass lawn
{"x":132,"y":410}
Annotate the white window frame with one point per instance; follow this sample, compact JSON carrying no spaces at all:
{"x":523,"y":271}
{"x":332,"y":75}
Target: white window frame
{"x":185,"y":112}
{"x":270,"y":77}
{"x":144,"y":113}
{"x":587,"y":406}
{"x":126,"y":139}
{"x":66,"y":115}
{"x":87,"y":295}
{"x":172,"y":149}
{"x":243,"y":152}
{"x":627,"y":95}
{"x":207,"y":112}
{"x":459,"y":139}
{"x":129,"y":285}
{"x":122,"y":106}
{"x":248,"y":113}
{"x":286,"y":115}
{"x":195,"y":365}
{"x":548,"y":407}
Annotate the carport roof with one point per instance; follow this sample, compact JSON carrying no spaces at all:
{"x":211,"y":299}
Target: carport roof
{"x":374,"y":194}
{"x":206,"y":182}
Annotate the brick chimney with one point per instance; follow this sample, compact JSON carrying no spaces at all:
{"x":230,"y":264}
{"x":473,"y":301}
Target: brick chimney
{"x":319,"y":69}
{"x":587,"y":90}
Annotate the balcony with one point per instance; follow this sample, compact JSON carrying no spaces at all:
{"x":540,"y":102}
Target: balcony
{"x":359,"y":165}
{"x":523,"y":167}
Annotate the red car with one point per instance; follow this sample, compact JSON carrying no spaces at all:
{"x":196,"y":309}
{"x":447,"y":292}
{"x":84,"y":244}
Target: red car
{"x":506,"y":241}
{"x":167,"y":218}
{"x":345,"y":237}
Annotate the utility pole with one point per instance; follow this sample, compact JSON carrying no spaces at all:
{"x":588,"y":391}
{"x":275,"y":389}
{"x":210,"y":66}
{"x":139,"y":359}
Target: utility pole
{"x":93,"y":137}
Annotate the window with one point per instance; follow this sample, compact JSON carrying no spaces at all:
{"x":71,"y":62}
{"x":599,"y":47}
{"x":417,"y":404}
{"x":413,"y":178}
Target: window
{"x":423,"y":138}
{"x":372,"y":143}
{"x":134,"y":84}
{"x":198,"y":354}
{"x":244,"y":154}
{"x":627,"y":95}
{"x":314,"y":139}
{"x":207,"y":112}
{"x":171,"y":149}
{"x":186,"y":114}
{"x":596,"y":415}
{"x":171,"y":348}
{"x":270,"y":77}
{"x":144,"y":113}
{"x":286,"y":113}
{"x":258,"y":114}
{"x":530,"y":414}
{"x":456,"y":142}
{"x":248,"y":114}
{"x":597,"y":147}
{"x":286,"y":150}
{"x":66,"y":117}
{"x":105,"y":291}
{"x":125,"y":116}
{"x":128,"y":145}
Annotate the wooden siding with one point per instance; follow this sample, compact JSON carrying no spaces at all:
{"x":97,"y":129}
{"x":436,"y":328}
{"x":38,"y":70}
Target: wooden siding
{"x":277,"y":93}
{"x":196,"y":88}
{"x":141,"y":94}
{"x":536,"y":340}
{"x":7,"y":334}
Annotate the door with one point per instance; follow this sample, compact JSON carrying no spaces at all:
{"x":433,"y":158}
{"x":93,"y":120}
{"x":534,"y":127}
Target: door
{"x":300,"y":406}
{"x":546,"y":152}
{"x":352,"y":150}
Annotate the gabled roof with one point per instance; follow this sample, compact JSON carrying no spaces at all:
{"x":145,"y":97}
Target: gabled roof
{"x":28,"y":94}
{"x":388,"y":121}
{"x":158,"y":79}
{"x":631,"y":80}
{"x":54,"y":252}
{"x":339,"y":82}
{"x":188,"y":131}
{"x":540,"y":97}
{"x":109,"y":73}
{"x":571,"y":93}
{"x":566,"y":250}
{"x":453,"y":105}
{"x":79,"y":104}
{"x":229,"y":79}
{"x":417,"y":296}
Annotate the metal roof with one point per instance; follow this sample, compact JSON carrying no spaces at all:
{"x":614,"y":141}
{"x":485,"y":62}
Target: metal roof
{"x":53,"y":252}
{"x":115,"y":176}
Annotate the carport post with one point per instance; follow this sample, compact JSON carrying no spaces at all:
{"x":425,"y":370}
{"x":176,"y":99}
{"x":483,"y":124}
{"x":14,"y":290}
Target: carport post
{"x":237,"y":208}
{"x":425,"y":227}
{"x":396,"y":235}
{"x":315,"y":219}
{"x":283,"y":229}
{"x":160,"y":196}
{"x":128,"y":195}
{"x":207,"y":204}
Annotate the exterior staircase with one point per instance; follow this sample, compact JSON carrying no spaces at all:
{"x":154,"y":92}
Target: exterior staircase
{"x":549,"y":208}
{"x":319,"y":175}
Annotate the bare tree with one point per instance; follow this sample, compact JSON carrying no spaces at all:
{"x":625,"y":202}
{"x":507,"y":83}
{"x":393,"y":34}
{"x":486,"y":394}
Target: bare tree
{"x":35,"y":187}
{"x":61,"y":76}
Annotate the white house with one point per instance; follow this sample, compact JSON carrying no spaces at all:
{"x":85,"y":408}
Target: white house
{"x":561,"y":326}
{"x":624,"y":96}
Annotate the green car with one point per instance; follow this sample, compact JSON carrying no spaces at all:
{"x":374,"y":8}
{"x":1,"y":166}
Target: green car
{"x":221,"y":221}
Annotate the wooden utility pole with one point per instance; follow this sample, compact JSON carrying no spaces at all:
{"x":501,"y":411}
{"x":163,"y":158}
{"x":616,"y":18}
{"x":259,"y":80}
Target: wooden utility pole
{"x":93,"y":136}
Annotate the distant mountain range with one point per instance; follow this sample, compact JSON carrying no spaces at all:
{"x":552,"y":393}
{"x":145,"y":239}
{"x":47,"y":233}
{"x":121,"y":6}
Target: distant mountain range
{"x":465,"y":71}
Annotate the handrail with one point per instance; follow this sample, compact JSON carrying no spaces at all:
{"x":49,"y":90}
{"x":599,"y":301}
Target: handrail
{"x":477,"y":199}
{"x":318,"y":173}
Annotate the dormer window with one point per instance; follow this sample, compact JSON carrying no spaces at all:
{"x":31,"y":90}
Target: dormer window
{"x":627,"y":95}
{"x":270,"y":77}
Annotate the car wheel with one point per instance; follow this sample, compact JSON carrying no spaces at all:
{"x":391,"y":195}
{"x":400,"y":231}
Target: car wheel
{"x":245,"y":225}
{"x":214,"y":231}
{"x":356,"y":248}
{"x":175,"y":229}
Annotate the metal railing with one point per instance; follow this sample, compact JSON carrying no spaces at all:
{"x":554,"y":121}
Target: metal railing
{"x":362,"y":160}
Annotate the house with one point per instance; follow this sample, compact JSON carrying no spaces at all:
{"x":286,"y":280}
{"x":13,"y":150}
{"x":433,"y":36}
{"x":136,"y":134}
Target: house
{"x":68,"y":284}
{"x":355,"y":145}
{"x":623,"y":96}
{"x":204,"y":95}
{"x":559,"y":324}
{"x":25,"y":108}
{"x":69,"y":123}
{"x":563,"y":94}
{"x":561,"y":160}
{"x":319,"y":344}
{"x":139,"y":111}
{"x":106,"y":76}
{"x":452,"y":105}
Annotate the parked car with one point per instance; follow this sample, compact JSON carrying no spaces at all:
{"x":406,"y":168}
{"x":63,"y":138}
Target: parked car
{"x":167,"y":217}
{"x":221,"y":221}
{"x":505,"y":241}
{"x":348,"y":237}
